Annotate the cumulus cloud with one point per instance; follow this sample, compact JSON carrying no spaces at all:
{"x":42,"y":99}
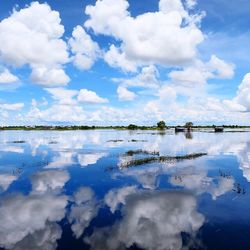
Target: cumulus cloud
{"x":115,"y":197}
{"x":191,"y":3}
{"x":146,"y":79}
{"x":169,"y":36}
{"x":67,"y":106}
{"x":88,"y":96}
{"x":83,"y":211}
{"x":124,"y":94}
{"x":12,"y":106}
{"x":35,"y":214}
{"x":63,"y":96}
{"x":49,"y":77}
{"x":199,"y":182}
{"x":85,"y":50}
{"x":200,"y":72}
{"x":6,"y":77}
{"x":57,"y":113}
{"x":243,"y":156}
{"x":152,"y":220}
{"x":32,"y":36}
{"x":6,"y":180}
{"x":117,"y":58}
{"x":31,"y":214}
{"x":61,"y":160}
{"x":89,"y":159}
{"x":48,"y":180}
{"x":242,"y":100}
{"x":44,"y":239}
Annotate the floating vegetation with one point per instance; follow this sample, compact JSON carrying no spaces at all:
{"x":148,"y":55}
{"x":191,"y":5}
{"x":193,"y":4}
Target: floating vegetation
{"x":140,"y":151}
{"x":178,"y":178}
{"x":17,"y":171}
{"x":239,"y":189}
{"x":225,"y":175}
{"x":115,"y":141}
{"x":133,"y":140}
{"x":53,"y":142}
{"x":17,"y":142}
{"x":169,"y":159}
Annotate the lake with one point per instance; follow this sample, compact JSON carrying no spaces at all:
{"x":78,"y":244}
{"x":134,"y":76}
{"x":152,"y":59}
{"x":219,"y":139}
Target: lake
{"x":80,"y":190}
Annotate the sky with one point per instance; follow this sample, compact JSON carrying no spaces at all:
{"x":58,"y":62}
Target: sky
{"x":117,"y":62}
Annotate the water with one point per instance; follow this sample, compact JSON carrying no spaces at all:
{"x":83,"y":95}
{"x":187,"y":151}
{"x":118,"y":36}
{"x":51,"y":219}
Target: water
{"x":68,"y":190}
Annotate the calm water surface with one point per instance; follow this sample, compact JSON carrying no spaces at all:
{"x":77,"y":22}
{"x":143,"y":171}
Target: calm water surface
{"x":69,"y":190}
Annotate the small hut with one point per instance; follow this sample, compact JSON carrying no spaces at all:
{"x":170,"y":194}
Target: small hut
{"x":218,"y":129}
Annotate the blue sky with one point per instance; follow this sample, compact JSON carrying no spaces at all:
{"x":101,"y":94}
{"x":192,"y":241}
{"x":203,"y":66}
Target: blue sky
{"x":115,"y":62}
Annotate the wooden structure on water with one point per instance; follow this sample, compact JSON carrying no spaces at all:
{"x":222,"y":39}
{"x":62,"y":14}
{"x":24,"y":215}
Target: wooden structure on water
{"x":179,"y":129}
{"x":218,"y":129}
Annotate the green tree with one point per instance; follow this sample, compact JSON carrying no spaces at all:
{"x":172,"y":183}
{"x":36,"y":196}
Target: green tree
{"x":161,"y":125}
{"x":132,"y":127}
{"x":189,"y":125}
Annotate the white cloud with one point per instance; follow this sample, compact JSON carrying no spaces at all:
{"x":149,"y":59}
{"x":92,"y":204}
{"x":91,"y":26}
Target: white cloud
{"x":84,"y":49}
{"x":199,"y":182}
{"x":57,"y":113}
{"x":49,"y":77}
{"x":63,"y":96}
{"x":116,"y":58}
{"x":168,"y":6}
{"x":67,"y":106}
{"x":199,"y":72}
{"x":191,"y":3}
{"x":88,"y":96}
{"x":89,"y":159}
{"x":33,"y":36}
{"x":11,"y":107}
{"x":167,"y":37}
{"x":31,"y":214}
{"x":152,"y":220}
{"x":241,"y":102}
{"x":6,"y":180}
{"x":115,"y":197}
{"x":220,"y":68}
{"x":48,"y":180}
{"x":7,"y":77}
{"x":125,"y":95}
{"x":45,"y":239}
{"x":147,"y":78}
{"x":83,"y":211}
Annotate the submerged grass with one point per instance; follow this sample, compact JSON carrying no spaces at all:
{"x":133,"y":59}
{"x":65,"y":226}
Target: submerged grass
{"x":17,"y":142}
{"x":115,"y":141}
{"x":134,"y":140}
{"x":140,"y":151}
{"x":169,"y":159}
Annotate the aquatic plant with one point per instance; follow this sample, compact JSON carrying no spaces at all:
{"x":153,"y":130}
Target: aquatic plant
{"x":239,"y":189}
{"x":17,"y":142}
{"x":134,"y":140}
{"x":115,"y":141}
{"x":140,"y":151}
{"x":169,"y":159}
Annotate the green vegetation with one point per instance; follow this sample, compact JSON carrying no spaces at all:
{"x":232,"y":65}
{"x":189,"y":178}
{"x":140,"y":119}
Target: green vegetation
{"x":189,"y":125}
{"x":161,"y":125}
{"x":140,"y":151}
{"x":169,"y":159}
{"x":17,"y":142}
{"x":115,"y":141}
{"x":130,"y":127}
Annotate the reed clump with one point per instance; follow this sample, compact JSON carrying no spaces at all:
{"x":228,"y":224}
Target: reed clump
{"x":168,"y":159}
